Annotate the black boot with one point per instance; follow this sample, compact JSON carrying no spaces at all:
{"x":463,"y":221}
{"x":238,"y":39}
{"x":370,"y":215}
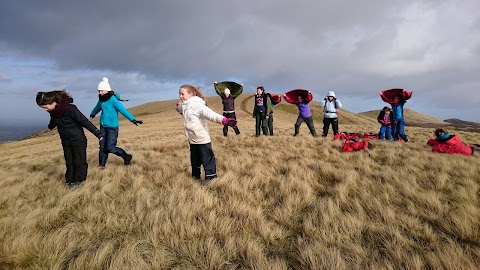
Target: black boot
{"x":127,"y":160}
{"x":297,"y":129}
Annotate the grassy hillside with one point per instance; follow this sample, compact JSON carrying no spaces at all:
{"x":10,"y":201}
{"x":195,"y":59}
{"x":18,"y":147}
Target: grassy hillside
{"x":280,"y":202}
{"x":412,"y":117}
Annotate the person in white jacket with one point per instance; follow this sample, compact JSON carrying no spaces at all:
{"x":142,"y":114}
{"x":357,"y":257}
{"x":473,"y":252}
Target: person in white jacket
{"x":195,"y":114}
{"x":330,"y":105}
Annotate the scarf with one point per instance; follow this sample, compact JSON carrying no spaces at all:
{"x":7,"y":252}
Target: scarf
{"x":61,"y":108}
{"x":105,"y":97}
{"x":444,"y":136}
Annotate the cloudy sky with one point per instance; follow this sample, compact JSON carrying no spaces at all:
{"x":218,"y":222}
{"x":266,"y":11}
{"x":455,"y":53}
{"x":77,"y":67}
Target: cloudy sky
{"x":148,"y":48}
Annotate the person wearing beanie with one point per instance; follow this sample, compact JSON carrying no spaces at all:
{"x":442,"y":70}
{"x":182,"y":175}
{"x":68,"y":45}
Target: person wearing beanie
{"x":195,"y":114}
{"x":445,"y":142}
{"x":330,"y":105}
{"x":109,"y":104}
{"x":228,"y":102}
{"x":385,"y":118}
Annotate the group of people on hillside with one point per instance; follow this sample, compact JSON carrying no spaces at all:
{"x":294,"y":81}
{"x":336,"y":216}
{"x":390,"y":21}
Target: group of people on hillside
{"x":70,"y":123}
{"x":263,"y":113}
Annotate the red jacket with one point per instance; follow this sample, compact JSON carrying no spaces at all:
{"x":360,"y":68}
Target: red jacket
{"x":452,"y":145}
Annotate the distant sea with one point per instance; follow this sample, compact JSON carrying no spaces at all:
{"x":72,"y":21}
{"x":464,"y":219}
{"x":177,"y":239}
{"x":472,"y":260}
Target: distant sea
{"x":15,"y":133}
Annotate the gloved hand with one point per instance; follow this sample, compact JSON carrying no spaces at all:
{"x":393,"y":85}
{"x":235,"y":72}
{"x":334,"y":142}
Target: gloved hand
{"x":231,"y":122}
{"x":136,"y":122}
{"x":101,"y":135}
{"x":92,"y":116}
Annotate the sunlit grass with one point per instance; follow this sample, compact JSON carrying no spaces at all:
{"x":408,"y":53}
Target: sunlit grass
{"x":280,"y":202}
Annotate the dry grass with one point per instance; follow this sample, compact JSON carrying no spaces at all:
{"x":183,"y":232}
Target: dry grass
{"x":280,"y":202}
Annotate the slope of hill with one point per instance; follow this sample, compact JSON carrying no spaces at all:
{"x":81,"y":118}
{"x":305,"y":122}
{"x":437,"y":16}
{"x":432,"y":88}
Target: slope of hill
{"x":280,"y":202}
{"x":462,"y":122}
{"x":412,"y":116}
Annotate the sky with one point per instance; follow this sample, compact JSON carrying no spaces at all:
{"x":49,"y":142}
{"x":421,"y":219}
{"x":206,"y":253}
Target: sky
{"x":148,"y":48}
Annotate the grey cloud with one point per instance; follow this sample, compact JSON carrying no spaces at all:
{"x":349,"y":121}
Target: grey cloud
{"x":354,"y":47}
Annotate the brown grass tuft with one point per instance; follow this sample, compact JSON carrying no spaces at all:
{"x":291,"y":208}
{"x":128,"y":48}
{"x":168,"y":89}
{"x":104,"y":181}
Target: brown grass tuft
{"x":280,"y":202}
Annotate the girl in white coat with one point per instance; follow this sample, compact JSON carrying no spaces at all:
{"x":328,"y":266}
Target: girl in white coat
{"x":195,"y":113}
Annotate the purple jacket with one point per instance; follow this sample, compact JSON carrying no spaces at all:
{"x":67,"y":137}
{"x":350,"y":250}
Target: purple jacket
{"x":304,"y":110}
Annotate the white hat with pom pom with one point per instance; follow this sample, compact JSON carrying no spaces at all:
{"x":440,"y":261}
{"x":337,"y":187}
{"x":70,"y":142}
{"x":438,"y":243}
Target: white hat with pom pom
{"x":104,"y":85}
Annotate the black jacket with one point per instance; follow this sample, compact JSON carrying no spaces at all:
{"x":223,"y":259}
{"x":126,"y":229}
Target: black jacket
{"x":381,"y":115}
{"x":70,"y":127}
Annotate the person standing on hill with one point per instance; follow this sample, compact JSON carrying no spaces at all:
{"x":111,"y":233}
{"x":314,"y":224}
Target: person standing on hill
{"x":330,"y":105}
{"x":385,"y":118}
{"x":195,"y":112}
{"x":270,"y":115}
{"x":261,"y":111}
{"x":109,"y":104}
{"x":70,"y":123}
{"x":228,"y":102}
{"x":398,"y":126}
{"x":304,"y":115}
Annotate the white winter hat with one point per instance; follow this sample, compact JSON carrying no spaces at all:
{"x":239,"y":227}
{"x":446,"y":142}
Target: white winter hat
{"x":104,"y":85}
{"x":226,"y":91}
{"x":331,"y":94}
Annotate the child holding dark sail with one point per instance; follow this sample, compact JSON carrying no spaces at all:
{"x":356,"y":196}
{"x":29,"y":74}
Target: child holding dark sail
{"x":109,"y":104}
{"x":228,"y":102}
{"x":385,"y":118}
{"x":261,"y":111}
{"x":70,"y":123}
{"x":195,"y":114}
{"x":304,"y":115}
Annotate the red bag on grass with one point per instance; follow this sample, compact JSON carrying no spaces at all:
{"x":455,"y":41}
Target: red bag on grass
{"x":353,"y":145}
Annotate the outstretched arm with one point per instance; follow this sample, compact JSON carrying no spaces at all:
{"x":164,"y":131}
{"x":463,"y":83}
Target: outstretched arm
{"x":78,"y":117}
{"x":95,"y":110}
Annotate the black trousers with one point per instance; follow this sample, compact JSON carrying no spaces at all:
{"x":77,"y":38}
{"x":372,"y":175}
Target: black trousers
{"x":309,"y":122}
{"x":270,"y":124}
{"x":202,"y":154}
{"x":225,"y":127}
{"x":76,"y":162}
{"x":326,"y":124}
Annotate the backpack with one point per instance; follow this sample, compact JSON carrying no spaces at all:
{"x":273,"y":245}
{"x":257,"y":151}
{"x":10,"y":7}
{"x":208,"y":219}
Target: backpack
{"x":347,"y":136}
{"x":334,"y":102}
{"x":354,"y":145}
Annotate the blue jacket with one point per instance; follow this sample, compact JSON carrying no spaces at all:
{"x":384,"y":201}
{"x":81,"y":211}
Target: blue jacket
{"x":110,"y":109}
{"x":397,"y":110}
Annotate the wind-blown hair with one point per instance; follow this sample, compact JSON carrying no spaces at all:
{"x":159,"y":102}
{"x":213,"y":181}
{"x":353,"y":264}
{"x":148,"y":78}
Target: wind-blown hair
{"x":46,"y":98}
{"x":194,"y":91}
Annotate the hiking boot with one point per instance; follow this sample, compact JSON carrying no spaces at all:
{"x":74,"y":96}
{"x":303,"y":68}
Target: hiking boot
{"x":127,"y":160}
{"x":295,"y":134}
{"x":71,"y":185}
{"x":209,"y":180}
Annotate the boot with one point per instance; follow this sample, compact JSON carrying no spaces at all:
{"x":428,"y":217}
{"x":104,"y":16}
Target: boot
{"x":127,"y":160}
{"x":297,"y":128}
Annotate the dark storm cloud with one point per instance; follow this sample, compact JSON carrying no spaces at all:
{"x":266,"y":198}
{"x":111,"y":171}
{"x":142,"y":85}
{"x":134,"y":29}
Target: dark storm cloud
{"x":356,"y":48}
